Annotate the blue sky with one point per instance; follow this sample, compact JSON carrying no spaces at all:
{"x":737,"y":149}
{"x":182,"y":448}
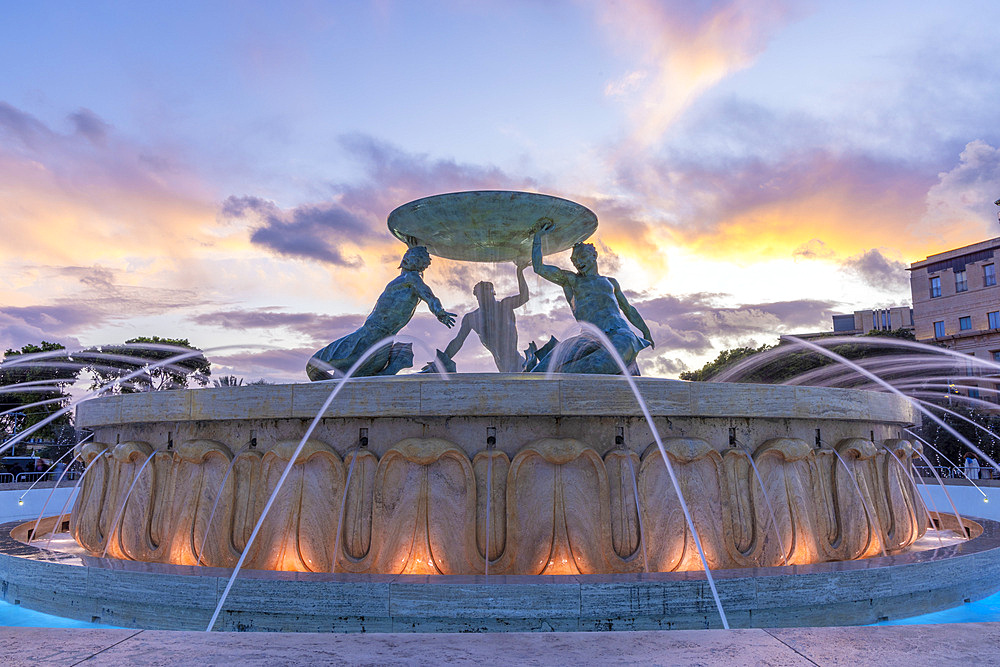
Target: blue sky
{"x":755,"y":166}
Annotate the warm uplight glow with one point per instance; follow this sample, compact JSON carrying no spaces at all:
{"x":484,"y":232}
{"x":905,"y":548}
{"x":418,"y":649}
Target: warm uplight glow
{"x":561,"y":566}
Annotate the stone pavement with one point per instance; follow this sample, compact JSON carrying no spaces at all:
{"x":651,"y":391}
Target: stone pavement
{"x":910,"y":645}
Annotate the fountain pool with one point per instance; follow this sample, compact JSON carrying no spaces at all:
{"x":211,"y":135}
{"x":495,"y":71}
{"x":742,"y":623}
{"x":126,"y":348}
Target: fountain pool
{"x":565,"y":546}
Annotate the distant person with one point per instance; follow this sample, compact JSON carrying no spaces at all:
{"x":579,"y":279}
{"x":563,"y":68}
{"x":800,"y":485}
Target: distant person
{"x":971,"y":466}
{"x":495,"y":323}
{"x":392,"y":312}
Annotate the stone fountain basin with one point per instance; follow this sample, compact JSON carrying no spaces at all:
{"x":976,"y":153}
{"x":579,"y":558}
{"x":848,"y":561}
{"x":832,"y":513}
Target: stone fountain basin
{"x":565,"y":545}
{"x":558,"y":476}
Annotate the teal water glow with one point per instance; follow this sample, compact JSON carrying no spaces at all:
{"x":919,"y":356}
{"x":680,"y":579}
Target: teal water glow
{"x":13,"y":615}
{"x":987,"y":609}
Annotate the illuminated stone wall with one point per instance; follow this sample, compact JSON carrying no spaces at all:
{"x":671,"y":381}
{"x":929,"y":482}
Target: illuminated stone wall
{"x":557,"y":506}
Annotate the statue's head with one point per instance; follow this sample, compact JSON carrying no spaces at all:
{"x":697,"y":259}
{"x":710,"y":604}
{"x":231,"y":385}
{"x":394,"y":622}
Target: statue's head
{"x":415,"y":259}
{"x":484,"y":291}
{"x":584,"y":257}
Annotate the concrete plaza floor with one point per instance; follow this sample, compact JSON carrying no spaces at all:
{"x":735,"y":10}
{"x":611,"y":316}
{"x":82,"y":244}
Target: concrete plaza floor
{"x":910,"y":645}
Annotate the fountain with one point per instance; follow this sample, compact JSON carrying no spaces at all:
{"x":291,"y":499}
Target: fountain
{"x":510,"y":501}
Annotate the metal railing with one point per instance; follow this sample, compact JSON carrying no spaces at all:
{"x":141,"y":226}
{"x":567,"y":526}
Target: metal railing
{"x":16,"y":478}
{"x":31,"y":476}
{"x":951,"y":472}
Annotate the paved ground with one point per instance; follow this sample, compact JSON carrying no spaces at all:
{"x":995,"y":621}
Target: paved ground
{"x":910,"y":645}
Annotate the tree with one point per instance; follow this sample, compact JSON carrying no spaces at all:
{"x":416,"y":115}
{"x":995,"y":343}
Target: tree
{"x":725,"y":359}
{"x":41,"y":390}
{"x":153,"y":361}
{"x":794,"y":362}
{"x":233,"y":381}
{"x":228,"y":381}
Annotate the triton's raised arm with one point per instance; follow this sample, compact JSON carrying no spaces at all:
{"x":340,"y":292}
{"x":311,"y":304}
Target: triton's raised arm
{"x":521,"y":297}
{"x":551,"y":273}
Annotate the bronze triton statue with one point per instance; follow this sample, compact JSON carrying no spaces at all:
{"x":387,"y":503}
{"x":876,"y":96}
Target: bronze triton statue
{"x":392,"y":311}
{"x":595,"y":299}
{"x":495,"y":323}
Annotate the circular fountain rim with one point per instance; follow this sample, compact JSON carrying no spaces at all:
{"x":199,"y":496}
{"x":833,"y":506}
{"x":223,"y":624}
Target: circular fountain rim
{"x":850,"y":592}
{"x":499,"y":394}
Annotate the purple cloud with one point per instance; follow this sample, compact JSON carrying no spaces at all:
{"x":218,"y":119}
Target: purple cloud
{"x":356,"y":213}
{"x":320,"y":329}
{"x":878,"y":271}
{"x":88,"y":124}
{"x":313,"y":231}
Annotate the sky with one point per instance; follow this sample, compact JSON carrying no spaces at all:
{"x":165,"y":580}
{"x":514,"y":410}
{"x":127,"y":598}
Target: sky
{"x":223,"y":171}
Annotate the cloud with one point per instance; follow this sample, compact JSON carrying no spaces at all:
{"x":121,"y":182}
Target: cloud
{"x":626,"y":84}
{"x":92,"y":298}
{"x":24,"y":326}
{"x":696,"y":323}
{"x":960,"y":205}
{"x":878,"y":271}
{"x":394,"y":177}
{"x":22,"y":128}
{"x":813,"y":249}
{"x":742,"y":206}
{"x":353,"y":218}
{"x":684,"y":49}
{"x":274,"y":365}
{"x":90,"y":125}
{"x":320,"y":329}
{"x":312,"y":231}
{"x":107,"y":194}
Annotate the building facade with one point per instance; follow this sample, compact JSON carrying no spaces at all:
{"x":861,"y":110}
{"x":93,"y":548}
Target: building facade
{"x":956,"y":301}
{"x":879,"y":319}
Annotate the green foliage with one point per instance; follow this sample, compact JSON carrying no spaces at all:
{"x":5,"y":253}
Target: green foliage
{"x":904,"y":334}
{"x":50,"y":376}
{"x":233,"y":381}
{"x":725,"y":359}
{"x":109,"y":365}
{"x":786,"y":366}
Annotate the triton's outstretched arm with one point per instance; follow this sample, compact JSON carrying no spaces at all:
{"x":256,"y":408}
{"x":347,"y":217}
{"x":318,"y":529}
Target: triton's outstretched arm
{"x":425,"y":293}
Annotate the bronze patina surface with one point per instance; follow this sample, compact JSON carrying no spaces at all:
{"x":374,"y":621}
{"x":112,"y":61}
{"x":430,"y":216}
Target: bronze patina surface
{"x":490,"y":225}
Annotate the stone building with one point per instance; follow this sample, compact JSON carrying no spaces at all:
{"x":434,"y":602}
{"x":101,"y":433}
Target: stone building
{"x":956,"y":301}
{"x":878,"y":319}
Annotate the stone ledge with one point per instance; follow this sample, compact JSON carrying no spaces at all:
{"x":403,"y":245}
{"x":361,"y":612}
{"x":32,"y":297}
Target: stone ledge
{"x":494,"y":394}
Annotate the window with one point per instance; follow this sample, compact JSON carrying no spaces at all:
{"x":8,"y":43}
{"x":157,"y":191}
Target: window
{"x":961,"y":281}
{"x":996,"y":355}
{"x":935,"y":286}
{"x":994,"y":319}
{"x":964,"y":323}
{"x":973,"y":393}
{"x":886,"y":322}
{"x":939,"y":329}
{"x":989,"y":275}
